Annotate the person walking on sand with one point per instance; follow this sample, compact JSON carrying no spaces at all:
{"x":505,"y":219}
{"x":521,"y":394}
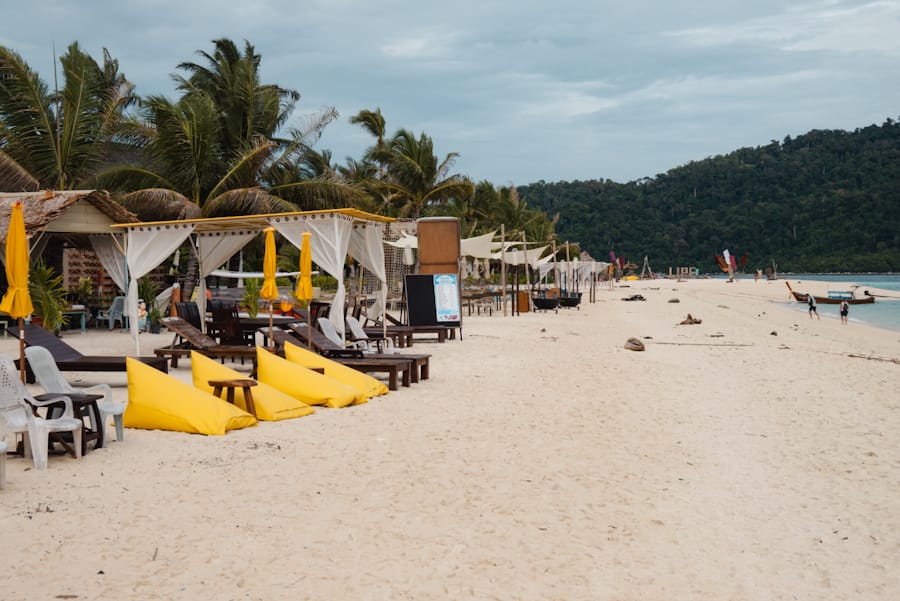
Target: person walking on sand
{"x":812,"y":306}
{"x":845,"y":311}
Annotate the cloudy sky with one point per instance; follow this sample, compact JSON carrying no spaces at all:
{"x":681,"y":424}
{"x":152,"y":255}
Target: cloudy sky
{"x":523,"y":90}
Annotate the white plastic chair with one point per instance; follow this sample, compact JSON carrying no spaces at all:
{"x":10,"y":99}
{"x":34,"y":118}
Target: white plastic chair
{"x":331,"y":333}
{"x":116,"y":312}
{"x":51,"y":379}
{"x":360,"y":336}
{"x":17,"y":416}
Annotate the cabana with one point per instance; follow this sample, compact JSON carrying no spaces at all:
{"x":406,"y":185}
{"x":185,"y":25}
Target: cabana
{"x":82,"y":218}
{"x":335,"y":233}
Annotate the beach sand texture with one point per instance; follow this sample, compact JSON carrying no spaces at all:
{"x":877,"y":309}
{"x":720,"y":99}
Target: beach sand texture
{"x":542,"y":460}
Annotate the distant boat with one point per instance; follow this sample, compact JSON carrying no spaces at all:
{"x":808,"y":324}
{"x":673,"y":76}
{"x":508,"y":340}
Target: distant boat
{"x":835,"y":297}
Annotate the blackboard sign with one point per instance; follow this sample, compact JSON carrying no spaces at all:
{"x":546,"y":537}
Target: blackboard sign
{"x":433,"y":300}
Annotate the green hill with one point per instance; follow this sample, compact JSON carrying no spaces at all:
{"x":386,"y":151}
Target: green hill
{"x":824,"y":201}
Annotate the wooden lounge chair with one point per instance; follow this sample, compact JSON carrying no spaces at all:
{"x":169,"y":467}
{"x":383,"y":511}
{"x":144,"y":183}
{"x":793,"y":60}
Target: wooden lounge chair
{"x":395,"y":366}
{"x":69,"y":359}
{"x":403,"y":333}
{"x":323,"y":345}
{"x":196,"y":340}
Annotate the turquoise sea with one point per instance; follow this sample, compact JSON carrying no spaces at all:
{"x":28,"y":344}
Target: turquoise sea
{"x":883,"y":313}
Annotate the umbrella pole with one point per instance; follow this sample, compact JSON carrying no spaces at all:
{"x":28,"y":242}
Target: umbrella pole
{"x":22,"y":349}
{"x":271,"y":333}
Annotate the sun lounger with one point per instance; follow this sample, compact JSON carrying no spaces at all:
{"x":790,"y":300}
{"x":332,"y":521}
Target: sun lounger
{"x":69,"y":359}
{"x":200,"y":342}
{"x":410,"y":368}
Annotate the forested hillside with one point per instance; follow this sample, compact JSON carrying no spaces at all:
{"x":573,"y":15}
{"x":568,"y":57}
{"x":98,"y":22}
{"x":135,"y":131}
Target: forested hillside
{"x":824,"y":201}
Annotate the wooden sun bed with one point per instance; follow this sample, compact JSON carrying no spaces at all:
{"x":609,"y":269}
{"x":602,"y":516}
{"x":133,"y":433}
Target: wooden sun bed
{"x":69,"y":359}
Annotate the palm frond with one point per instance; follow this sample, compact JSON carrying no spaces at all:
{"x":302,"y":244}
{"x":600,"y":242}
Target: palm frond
{"x":246,"y":201}
{"x":159,"y":204}
{"x":14,"y":177}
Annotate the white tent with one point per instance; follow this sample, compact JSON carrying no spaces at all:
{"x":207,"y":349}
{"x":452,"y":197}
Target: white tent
{"x":216,"y":239}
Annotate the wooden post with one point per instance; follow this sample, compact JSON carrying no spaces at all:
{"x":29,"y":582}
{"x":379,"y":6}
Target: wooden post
{"x":503,"y":265}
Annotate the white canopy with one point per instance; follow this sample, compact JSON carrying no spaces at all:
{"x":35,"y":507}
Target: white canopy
{"x":528,"y":257}
{"x":478,"y":247}
{"x":217,"y":239}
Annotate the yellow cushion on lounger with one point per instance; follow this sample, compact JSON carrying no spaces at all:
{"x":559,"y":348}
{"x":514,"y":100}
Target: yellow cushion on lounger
{"x":271,"y":404}
{"x":157,"y":401}
{"x":303,"y":384}
{"x":369,"y":386}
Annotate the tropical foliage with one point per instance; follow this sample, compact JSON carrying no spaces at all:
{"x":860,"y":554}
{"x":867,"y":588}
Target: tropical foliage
{"x":57,"y":138}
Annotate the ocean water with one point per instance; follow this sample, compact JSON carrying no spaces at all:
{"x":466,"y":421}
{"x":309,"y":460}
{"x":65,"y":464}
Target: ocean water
{"x":883,"y":313}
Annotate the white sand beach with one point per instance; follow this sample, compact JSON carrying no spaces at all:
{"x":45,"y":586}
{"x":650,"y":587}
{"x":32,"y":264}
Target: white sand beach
{"x":754,"y":456}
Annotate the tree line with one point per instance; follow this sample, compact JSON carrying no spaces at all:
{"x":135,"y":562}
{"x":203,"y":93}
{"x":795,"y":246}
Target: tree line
{"x":827,"y":200}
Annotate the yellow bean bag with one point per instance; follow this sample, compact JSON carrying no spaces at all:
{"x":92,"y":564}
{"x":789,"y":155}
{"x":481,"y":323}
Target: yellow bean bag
{"x":157,"y":401}
{"x":303,"y":384}
{"x":271,"y":404}
{"x":366,"y":384}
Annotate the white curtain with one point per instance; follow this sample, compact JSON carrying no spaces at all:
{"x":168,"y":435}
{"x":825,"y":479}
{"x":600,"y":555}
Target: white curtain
{"x":213,"y":249}
{"x":330,"y":239}
{"x":367,"y":247}
{"x":111,"y":257}
{"x":148,"y":246}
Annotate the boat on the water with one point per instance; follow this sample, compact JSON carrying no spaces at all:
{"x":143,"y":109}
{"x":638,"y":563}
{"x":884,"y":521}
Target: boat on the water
{"x":835,"y":297}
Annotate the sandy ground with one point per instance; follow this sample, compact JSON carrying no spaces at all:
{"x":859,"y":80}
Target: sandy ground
{"x":752,"y":456}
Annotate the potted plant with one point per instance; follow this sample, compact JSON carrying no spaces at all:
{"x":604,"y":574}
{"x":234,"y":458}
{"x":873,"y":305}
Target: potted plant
{"x":48,"y":295}
{"x":251,"y":296}
{"x":154,"y":315}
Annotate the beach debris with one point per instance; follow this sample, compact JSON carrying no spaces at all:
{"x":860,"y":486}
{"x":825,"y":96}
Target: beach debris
{"x":674,"y":300}
{"x":634,"y":297}
{"x":633,"y":344}
{"x":717,"y":335}
{"x":690,"y":320}
{"x":773,"y":333}
{"x":723,"y":306}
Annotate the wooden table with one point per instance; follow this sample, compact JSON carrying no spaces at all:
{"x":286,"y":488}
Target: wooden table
{"x":82,"y":315}
{"x":83,"y":405}
{"x":230,"y":385}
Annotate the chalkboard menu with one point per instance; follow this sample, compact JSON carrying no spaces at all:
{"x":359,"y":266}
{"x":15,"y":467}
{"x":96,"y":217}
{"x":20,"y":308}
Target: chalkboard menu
{"x":432,"y":299}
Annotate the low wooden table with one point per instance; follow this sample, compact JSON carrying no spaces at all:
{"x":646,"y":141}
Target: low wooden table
{"x":83,"y":405}
{"x":230,"y":385}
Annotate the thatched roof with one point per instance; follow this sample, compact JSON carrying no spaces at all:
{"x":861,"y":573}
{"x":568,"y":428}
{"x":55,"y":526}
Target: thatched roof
{"x":59,"y":212}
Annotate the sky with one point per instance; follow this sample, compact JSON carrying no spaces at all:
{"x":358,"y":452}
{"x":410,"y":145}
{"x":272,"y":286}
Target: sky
{"x":521,"y":90}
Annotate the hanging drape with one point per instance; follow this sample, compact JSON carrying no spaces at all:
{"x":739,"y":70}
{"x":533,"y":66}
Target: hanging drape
{"x":110,"y":255}
{"x":147,"y":247}
{"x":331,"y":234}
{"x":213,"y":249}
{"x":367,"y":247}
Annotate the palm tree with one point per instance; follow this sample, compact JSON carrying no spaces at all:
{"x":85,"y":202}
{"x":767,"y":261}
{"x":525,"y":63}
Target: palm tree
{"x":415,"y":178}
{"x":58,"y":139}
{"x":248,"y":109}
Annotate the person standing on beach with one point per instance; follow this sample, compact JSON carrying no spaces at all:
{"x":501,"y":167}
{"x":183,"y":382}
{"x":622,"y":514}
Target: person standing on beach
{"x":845,"y":311}
{"x":812,"y":306}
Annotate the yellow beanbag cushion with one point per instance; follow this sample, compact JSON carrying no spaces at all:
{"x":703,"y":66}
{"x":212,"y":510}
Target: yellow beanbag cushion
{"x":270,"y":403}
{"x":157,"y":401}
{"x":303,"y":384}
{"x":366,"y":384}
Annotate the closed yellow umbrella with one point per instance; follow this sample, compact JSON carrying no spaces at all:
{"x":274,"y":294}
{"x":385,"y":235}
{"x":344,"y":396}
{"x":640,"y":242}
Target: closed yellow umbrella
{"x":269,"y":289}
{"x":304,"y":290}
{"x":17,"y":300}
